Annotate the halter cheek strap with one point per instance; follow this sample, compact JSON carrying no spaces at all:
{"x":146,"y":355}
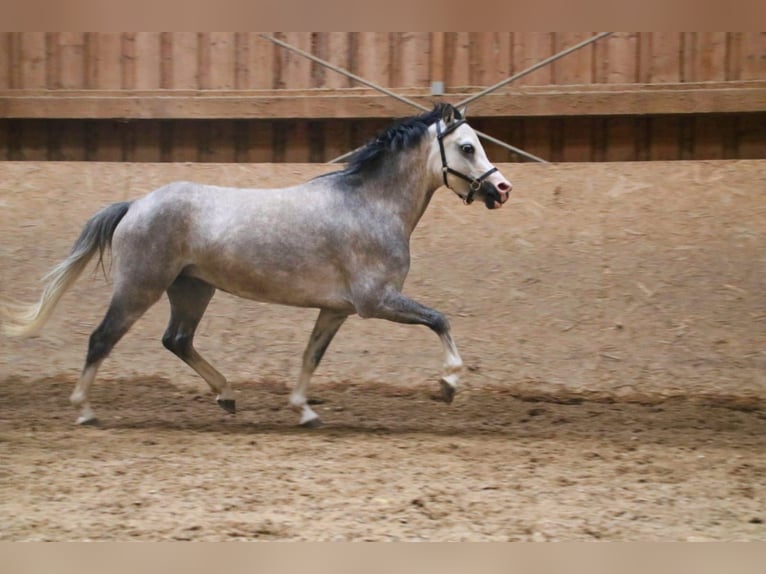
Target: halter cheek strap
{"x":474,"y":182}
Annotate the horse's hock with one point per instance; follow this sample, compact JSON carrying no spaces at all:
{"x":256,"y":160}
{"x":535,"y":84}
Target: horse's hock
{"x":627,"y":281}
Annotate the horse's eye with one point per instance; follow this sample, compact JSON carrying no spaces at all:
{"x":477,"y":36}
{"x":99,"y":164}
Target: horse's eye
{"x":468,"y":149}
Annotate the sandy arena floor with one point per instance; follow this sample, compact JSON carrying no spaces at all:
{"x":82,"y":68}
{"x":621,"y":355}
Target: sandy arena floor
{"x":612,"y":318}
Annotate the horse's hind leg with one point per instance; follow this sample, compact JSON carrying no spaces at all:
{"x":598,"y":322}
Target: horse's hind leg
{"x":326,"y":326}
{"x":189,"y":298}
{"x":124,"y":310}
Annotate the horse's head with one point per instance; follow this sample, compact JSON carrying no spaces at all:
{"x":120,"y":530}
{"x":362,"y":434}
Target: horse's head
{"x":464,"y":166}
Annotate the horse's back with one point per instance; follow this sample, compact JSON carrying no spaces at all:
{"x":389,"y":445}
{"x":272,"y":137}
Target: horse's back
{"x":279,"y":245}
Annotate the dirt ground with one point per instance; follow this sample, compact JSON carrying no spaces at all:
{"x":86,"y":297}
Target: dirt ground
{"x":612,"y":318}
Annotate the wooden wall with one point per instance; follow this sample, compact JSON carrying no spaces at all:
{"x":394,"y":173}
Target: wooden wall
{"x":58,"y":92}
{"x":243,"y":61}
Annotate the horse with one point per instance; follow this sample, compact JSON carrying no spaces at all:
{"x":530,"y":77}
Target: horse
{"x":338,"y":242}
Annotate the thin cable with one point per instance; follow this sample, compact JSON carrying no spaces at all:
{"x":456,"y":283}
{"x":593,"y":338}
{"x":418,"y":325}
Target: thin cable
{"x":464,"y":102}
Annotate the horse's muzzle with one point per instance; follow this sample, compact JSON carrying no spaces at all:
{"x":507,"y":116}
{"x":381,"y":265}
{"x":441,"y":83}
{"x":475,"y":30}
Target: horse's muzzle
{"x":495,"y":195}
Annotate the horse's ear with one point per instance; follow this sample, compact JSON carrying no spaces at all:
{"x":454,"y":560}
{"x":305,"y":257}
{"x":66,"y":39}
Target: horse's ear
{"x":448,"y":114}
{"x":463,"y":112}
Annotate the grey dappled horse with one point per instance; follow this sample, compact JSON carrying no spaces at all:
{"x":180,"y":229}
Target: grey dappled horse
{"x":339,"y":242}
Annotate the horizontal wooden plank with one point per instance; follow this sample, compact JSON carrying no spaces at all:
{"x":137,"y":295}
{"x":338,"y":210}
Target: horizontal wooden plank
{"x":585,"y":100}
{"x":607,"y":100}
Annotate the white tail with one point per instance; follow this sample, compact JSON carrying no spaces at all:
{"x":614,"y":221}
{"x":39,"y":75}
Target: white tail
{"x":27,"y":320}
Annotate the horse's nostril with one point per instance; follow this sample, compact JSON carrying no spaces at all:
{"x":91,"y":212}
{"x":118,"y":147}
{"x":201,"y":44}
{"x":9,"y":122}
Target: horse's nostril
{"x":504,"y":186}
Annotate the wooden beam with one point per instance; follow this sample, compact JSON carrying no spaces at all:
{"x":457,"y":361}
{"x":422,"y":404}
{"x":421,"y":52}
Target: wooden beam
{"x":629,"y":99}
{"x":530,"y":101}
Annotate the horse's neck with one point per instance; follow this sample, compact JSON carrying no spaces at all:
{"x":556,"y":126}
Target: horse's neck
{"x":408,"y":188}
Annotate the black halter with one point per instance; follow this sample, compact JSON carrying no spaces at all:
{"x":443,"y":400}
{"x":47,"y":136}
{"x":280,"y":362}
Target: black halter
{"x":475,"y":182}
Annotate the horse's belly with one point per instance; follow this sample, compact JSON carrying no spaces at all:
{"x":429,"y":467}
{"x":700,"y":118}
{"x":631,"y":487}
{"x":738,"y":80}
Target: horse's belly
{"x":310,"y":288}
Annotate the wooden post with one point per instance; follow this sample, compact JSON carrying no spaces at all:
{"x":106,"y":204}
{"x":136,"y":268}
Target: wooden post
{"x":437,"y":63}
{"x":753,"y":48}
{"x":457,"y":48}
{"x":32,"y":60}
{"x":147,"y":60}
{"x":71,"y":48}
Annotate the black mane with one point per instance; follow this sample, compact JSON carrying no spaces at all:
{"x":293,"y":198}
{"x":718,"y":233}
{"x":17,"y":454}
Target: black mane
{"x":402,"y":135}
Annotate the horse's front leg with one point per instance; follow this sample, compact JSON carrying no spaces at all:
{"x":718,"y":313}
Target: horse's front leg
{"x":394,"y":306}
{"x":326,"y":326}
{"x":453,"y":366}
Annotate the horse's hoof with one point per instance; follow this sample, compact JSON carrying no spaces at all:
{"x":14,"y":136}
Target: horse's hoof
{"x":448,"y":392}
{"x":229,"y":405}
{"x":313,"y":423}
{"x":87,"y":421}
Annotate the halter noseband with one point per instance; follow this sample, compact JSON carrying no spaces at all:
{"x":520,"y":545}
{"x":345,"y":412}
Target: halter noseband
{"x":474,"y":182}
